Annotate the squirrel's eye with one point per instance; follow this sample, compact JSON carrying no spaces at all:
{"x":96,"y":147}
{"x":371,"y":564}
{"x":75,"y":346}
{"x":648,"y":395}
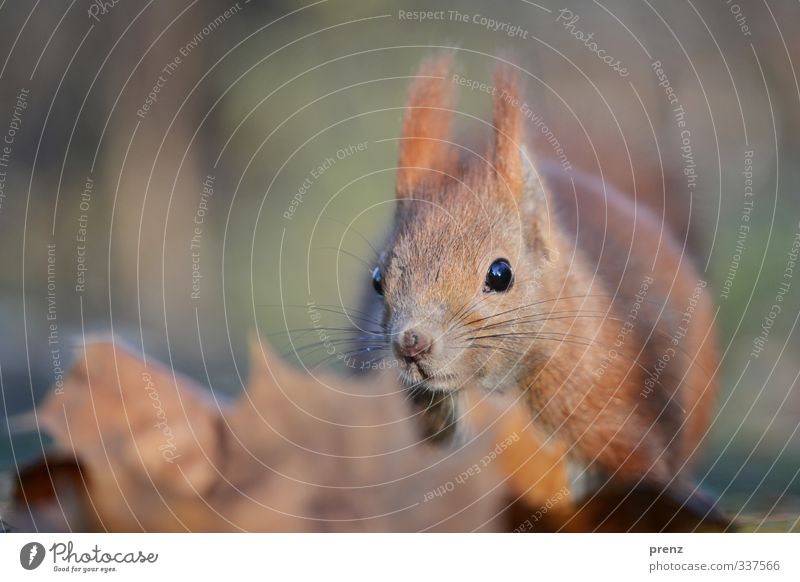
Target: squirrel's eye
{"x":499,"y":278}
{"x":377,"y":280}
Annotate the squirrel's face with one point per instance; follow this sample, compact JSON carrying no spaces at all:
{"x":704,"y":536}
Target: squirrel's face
{"x":456,"y":281}
{"x":459,"y":274}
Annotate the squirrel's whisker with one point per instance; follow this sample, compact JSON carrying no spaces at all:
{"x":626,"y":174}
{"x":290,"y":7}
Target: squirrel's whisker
{"x":367,"y":265}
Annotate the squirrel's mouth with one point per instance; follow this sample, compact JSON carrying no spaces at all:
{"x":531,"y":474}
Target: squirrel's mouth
{"x":417,"y":375}
{"x":437,"y":408}
{"x":434,"y":393}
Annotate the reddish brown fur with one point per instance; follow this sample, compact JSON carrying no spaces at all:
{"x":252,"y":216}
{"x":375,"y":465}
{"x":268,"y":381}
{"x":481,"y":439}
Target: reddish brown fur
{"x":425,"y":125}
{"x":507,"y":131}
{"x":579,"y":259}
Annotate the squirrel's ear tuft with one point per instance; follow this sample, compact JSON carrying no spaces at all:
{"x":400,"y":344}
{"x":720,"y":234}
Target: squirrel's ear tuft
{"x":425,"y":152}
{"x":534,"y":197}
{"x":508,"y":135}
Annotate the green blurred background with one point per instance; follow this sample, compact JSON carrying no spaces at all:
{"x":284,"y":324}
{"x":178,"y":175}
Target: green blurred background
{"x":265,"y":92}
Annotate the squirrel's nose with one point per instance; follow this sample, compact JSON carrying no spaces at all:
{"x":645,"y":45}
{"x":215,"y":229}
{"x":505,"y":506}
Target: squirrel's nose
{"x":413,"y":344}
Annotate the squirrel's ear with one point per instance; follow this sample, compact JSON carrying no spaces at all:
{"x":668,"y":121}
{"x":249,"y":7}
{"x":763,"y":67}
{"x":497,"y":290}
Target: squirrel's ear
{"x":509,"y":167}
{"x":534,"y":197}
{"x":425,"y":152}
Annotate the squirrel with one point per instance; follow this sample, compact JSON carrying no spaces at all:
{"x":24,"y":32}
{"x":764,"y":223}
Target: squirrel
{"x":508,"y":272}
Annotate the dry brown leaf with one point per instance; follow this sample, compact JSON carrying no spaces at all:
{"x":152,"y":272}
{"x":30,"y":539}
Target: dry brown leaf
{"x":293,"y":453}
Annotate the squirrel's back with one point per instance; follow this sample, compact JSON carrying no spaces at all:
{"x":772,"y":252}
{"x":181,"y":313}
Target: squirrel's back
{"x":660,"y":309}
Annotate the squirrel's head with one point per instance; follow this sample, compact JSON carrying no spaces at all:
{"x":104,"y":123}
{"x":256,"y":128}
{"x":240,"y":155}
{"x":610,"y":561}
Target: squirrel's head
{"x":465,"y":260}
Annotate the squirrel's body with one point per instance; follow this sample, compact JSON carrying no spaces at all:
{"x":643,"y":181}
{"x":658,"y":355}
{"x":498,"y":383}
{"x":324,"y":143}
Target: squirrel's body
{"x":637,"y":398}
{"x":521,"y":276}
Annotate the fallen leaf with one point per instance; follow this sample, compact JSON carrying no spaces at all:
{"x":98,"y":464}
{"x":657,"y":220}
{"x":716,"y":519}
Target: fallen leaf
{"x":293,"y":453}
